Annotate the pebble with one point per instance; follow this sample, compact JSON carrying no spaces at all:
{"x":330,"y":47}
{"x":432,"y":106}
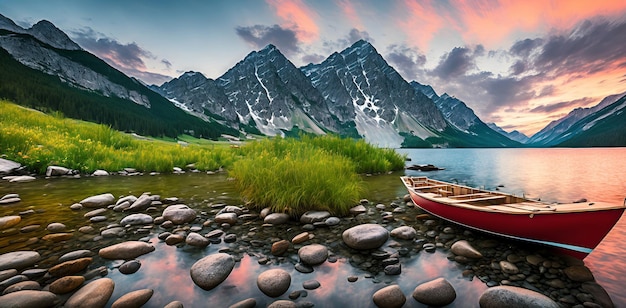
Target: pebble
{"x":56,"y":227}
{"x":389,"y":297}
{"x":9,"y":221}
{"x":311,"y":284}
{"x":300,"y":238}
{"x":274,"y":282}
{"x":465,"y":249}
{"x":211,"y":270}
{"x":279,"y":248}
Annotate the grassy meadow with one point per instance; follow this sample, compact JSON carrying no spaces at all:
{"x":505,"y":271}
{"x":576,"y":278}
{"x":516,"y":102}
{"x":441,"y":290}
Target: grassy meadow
{"x":288,"y":175}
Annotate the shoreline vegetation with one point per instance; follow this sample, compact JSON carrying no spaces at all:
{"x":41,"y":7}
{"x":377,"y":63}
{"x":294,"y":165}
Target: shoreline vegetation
{"x":290,"y":175}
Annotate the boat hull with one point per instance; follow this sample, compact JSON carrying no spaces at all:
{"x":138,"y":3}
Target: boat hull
{"x":575,"y":233}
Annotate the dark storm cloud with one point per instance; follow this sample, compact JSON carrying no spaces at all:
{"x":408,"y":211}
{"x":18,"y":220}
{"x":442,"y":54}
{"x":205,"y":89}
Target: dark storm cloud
{"x":408,"y":61}
{"x":455,"y":63}
{"x":128,"y":58}
{"x":352,"y":37}
{"x":313,"y":58}
{"x":259,"y":36}
{"x":589,"y":48}
{"x":563,"y":106}
{"x":124,"y":55}
{"x":518,"y":67}
{"x":524,"y":47}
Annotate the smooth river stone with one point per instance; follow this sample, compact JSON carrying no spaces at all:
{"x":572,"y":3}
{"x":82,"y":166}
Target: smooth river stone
{"x":404,"y":233}
{"x":18,"y":259}
{"x":57,"y":237}
{"x":69,"y":267}
{"x":211,"y":270}
{"x":76,"y":254}
{"x":136,"y":219}
{"x":126,"y":250}
{"x":313,"y":254}
{"x":274,"y":282}
{"x":508,"y":296}
{"x":437,"y":292}
{"x":56,"y":227}
{"x":29,"y":298}
{"x":463,"y":248}
{"x":9,"y":221}
{"x":94,"y":294}
{"x":179,"y":214}
{"x":98,"y":201}
{"x":133,"y":299}
{"x":365,"y":236}
{"x":66,"y":284}
{"x":389,"y":297}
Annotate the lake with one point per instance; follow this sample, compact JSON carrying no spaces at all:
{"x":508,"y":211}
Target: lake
{"x":559,"y":175}
{"x":554,"y":175}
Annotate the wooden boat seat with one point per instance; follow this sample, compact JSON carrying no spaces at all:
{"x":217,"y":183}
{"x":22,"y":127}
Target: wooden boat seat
{"x":470,"y":195}
{"x":478,"y":199}
{"x":429,"y":187}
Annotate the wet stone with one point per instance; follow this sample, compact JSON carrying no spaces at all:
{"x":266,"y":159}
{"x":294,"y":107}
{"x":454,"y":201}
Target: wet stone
{"x":437,"y":292}
{"x":389,"y":297}
{"x":66,"y":284}
{"x":94,"y":294}
{"x":24,"y":285}
{"x":211,"y":270}
{"x":18,"y":259}
{"x":303,"y":268}
{"x":394,"y":269}
{"x":311,"y":284}
{"x":130,"y":267}
{"x":274,"y":282}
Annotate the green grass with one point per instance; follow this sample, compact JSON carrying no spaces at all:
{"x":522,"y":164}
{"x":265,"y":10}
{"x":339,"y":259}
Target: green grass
{"x":38,"y":140}
{"x":291,"y":175}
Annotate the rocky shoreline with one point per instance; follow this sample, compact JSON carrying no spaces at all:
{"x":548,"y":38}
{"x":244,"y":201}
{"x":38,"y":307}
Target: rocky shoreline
{"x":69,"y":267}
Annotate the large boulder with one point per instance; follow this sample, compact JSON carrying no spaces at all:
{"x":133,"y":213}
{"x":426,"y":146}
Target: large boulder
{"x":509,"y":296}
{"x":437,"y":292}
{"x":211,"y":270}
{"x":366,"y":236}
{"x":126,"y":250}
{"x":179,"y":214}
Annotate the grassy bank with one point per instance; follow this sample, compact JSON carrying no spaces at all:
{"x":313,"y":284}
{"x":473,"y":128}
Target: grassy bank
{"x":288,"y":175}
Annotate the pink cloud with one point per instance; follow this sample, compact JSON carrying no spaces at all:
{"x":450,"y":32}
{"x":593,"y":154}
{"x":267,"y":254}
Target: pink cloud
{"x":421,"y":23}
{"x":298,"y":17}
{"x":349,"y":10}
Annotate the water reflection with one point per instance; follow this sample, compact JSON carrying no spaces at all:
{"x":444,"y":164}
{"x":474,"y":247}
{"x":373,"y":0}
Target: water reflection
{"x":552,"y":174}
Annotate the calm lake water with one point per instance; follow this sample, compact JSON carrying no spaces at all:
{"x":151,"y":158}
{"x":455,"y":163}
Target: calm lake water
{"x":554,"y":175}
{"x":560,"y":175}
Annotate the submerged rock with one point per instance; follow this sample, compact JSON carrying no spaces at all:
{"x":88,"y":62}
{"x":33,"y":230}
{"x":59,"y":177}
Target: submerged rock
{"x":126,"y":250}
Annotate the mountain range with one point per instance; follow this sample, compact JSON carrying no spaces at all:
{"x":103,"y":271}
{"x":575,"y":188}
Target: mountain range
{"x":353,"y":93}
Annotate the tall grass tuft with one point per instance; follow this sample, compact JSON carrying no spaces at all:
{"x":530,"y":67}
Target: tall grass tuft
{"x":291,"y":176}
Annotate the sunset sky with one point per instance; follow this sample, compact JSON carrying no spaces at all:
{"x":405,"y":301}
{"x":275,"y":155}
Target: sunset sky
{"x":520,"y":64}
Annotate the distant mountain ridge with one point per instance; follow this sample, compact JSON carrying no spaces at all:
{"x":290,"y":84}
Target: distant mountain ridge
{"x":43,"y":68}
{"x":513,"y":135}
{"x":353,"y":93}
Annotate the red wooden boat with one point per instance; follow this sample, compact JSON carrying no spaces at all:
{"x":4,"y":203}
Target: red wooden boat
{"x":575,"y":228}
